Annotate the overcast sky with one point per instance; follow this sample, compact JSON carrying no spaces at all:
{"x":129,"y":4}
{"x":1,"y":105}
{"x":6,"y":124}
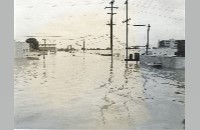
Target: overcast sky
{"x":71,"y":21}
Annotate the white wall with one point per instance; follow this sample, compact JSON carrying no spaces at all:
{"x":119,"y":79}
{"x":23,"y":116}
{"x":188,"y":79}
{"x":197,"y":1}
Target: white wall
{"x":167,"y":62}
{"x":160,"y":51}
{"x":21,"y":49}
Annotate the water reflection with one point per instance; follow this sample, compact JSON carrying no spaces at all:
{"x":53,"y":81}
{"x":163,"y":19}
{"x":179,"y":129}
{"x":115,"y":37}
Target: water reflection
{"x":120,"y":99}
{"x":126,"y":75}
{"x":108,"y":101}
{"x":111,"y":71}
{"x":44,"y":69}
{"x":44,"y":63}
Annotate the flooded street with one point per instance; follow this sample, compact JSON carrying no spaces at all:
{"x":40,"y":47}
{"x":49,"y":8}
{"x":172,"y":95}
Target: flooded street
{"x":89,"y":91}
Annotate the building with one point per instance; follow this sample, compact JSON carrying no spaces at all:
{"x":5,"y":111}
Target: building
{"x":180,"y":48}
{"x":170,"y":53}
{"x":171,"y":47}
{"x":171,"y":43}
{"x":48,"y":47}
{"x":21,"y":49}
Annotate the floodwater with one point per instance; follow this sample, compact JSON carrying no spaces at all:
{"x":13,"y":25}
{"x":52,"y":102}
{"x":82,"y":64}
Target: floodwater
{"x":92,"y":92}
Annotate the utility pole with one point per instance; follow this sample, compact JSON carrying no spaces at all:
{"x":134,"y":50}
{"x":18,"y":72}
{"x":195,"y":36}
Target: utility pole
{"x":126,"y":21}
{"x":147,"y":46}
{"x":83,"y":45}
{"x":148,"y":30}
{"x":111,"y":24}
{"x":44,"y":48}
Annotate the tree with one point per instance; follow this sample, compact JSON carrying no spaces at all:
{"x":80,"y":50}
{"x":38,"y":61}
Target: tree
{"x":33,"y":43}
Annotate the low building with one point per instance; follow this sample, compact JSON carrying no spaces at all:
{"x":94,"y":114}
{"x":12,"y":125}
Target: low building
{"x":48,"y":47}
{"x":21,"y":49}
{"x":171,"y":43}
{"x":180,"y":48}
{"x":169,"y":53}
{"x":165,"y":61}
{"x":170,"y":47}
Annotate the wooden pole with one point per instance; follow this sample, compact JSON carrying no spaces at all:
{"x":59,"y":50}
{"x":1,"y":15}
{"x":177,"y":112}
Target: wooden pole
{"x":127,"y":29}
{"x":111,"y":25}
{"x":147,"y":46}
{"x":44,"y":48}
{"x":126,"y":21}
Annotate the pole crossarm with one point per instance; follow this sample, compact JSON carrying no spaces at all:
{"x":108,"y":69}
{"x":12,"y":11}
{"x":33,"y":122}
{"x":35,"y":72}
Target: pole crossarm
{"x":139,"y":25}
{"x":126,"y":20}
{"x":112,"y":7}
{"x":112,"y":13}
{"x":110,"y":24}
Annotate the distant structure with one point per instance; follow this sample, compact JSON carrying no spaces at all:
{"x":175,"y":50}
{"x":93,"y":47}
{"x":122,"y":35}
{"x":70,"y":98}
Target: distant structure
{"x":48,"y":47}
{"x":177,"y":45}
{"x":171,"y":43}
{"x":168,"y":54}
{"x":69,"y":48}
{"x":180,"y":48}
{"x":21,"y":49}
{"x":83,"y":45}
